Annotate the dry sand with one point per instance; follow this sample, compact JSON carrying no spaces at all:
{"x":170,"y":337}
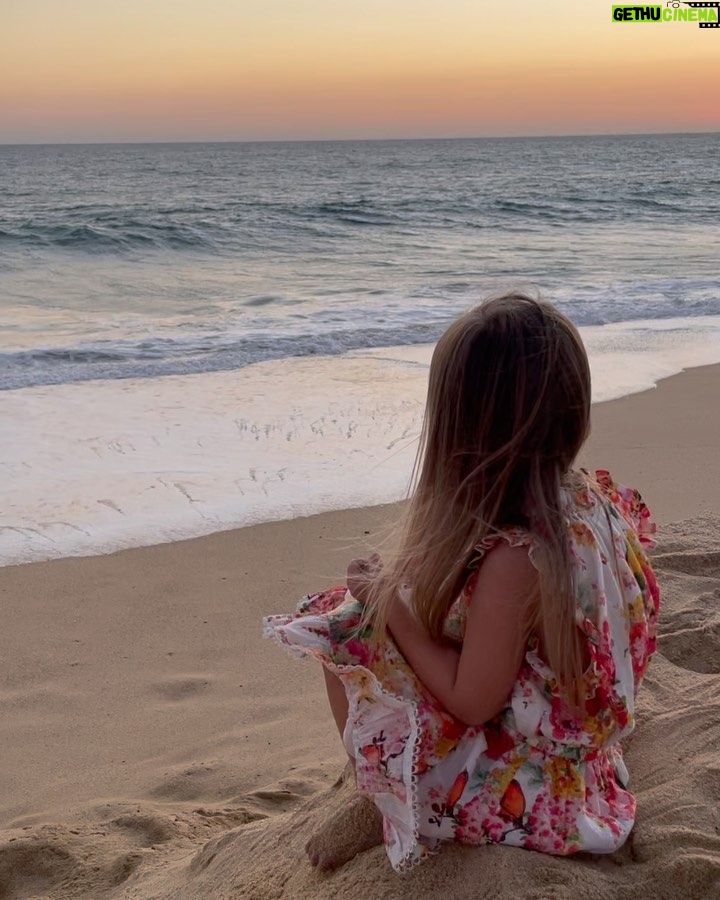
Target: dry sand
{"x":153,"y":746}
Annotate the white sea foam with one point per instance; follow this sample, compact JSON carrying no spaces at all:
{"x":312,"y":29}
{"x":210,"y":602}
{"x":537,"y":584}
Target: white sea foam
{"x":97,"y":466}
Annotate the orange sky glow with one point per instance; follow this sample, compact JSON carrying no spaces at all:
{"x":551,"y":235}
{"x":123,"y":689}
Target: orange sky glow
{"x":280,"y":69}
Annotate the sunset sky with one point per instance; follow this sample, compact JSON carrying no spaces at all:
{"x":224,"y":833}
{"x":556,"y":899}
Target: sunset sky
{"x":136,"y":70}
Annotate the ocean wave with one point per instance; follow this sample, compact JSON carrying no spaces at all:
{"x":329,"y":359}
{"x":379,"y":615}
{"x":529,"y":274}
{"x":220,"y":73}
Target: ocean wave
{"x":154,"y":357}
{"x":111,"y":234}
{"x":199,"y":349}
{"x":354,"y":212}
{"x":243,"y":226}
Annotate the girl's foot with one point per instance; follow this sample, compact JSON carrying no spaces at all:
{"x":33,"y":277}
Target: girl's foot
{"x":352,"y":830}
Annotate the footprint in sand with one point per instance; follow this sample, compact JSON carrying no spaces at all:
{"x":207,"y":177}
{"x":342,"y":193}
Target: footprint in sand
{"x":690,"y":636}
{"x":182,"y":687}
{"x":702,"y":565}
{"x":199,"y":781}
{"x":33,"y":867}
{"x":710,"y":783}
{"x":275,"y":798}
{"x":123,"y":867}
{"x":144,"y":830}
{"x":229,"y":816}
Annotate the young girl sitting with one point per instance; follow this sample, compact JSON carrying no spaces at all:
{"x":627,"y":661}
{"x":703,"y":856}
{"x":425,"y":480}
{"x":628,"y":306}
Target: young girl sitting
{"x":484,"y":677}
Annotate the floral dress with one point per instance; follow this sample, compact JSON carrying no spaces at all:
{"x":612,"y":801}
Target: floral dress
{"x":539,"y":775}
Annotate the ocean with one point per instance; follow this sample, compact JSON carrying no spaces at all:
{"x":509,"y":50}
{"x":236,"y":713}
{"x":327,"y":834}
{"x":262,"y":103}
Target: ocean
{"x":200,"y":336}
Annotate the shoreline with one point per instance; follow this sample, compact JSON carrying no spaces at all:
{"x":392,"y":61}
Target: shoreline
{"x":607,"y":447}
{"x":98,"y":467}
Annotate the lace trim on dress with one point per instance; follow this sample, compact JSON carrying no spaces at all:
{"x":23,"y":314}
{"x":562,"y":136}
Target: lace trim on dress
{"x":514,"y":536}
{"x":273,"y":629}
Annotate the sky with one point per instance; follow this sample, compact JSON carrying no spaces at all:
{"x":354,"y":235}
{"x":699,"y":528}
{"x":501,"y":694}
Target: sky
{"x":202,"y":70}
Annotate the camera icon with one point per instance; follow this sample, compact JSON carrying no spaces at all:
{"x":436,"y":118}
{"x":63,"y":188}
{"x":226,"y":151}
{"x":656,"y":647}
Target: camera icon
{"x":713,"y":4}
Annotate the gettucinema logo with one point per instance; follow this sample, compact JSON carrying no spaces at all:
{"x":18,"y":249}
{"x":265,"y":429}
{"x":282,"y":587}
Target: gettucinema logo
{"x":707,"y":15}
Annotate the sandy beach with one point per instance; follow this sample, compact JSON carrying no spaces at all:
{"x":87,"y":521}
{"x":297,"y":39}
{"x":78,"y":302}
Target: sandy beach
{"x":154,"y":746}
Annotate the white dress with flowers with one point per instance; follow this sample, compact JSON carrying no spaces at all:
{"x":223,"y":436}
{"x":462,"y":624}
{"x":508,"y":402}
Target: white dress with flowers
{"x":538,"y":775}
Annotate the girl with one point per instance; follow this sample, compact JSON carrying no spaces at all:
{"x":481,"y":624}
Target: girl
{"x":484,"y":677}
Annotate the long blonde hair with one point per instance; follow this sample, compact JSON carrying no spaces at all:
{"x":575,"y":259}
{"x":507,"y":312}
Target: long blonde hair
{"x":508,"y":409}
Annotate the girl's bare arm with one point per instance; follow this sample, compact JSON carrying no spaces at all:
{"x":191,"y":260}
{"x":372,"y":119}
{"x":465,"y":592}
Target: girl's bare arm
{"x":473,"y":683}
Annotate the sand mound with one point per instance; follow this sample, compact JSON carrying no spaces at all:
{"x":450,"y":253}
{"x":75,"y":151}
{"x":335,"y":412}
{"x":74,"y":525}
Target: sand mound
{"x":253,"y":846}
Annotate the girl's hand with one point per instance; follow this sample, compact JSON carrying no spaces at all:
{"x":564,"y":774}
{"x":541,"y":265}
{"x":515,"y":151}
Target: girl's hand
{"x":360,"y":574}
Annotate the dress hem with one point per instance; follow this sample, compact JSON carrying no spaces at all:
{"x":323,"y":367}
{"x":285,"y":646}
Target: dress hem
{"x":410,"y":858}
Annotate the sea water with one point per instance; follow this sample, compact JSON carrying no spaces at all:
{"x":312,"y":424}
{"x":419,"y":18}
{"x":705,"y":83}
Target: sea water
{"x":195,"y":337}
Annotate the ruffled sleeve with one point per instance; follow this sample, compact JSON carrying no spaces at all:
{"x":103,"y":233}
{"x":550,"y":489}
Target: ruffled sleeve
{"x":514,"y":536}
{"x":456,"y":619}
{"x":630,"y":505}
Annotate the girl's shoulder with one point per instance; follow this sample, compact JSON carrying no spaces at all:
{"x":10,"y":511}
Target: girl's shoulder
{"x":511,"y":536}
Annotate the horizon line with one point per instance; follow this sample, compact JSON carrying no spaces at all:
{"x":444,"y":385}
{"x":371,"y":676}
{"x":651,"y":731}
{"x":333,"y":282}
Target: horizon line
{"x":353,"y":140}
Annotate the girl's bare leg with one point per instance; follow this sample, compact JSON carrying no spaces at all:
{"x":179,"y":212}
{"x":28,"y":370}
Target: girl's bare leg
{"x":338,"y":700}
{"x":358,"y":826}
